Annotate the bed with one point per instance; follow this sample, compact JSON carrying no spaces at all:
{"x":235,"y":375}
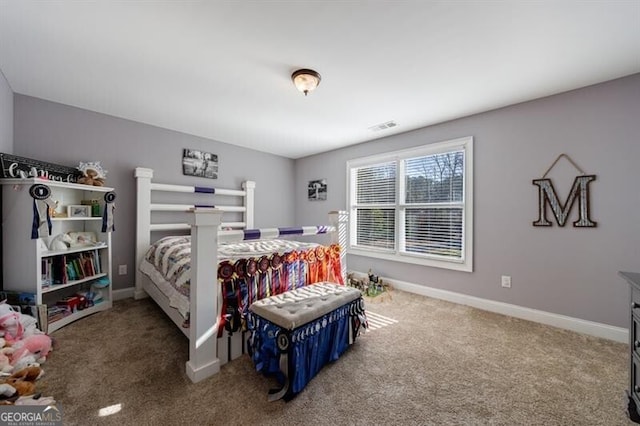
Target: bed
{"x":195,"y":277}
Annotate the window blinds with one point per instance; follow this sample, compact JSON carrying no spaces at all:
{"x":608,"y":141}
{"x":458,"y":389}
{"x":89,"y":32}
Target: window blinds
{"x":430,"y":208}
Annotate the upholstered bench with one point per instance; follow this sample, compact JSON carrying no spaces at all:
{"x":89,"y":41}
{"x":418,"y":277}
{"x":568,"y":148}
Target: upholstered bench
{"x":294,"y":334}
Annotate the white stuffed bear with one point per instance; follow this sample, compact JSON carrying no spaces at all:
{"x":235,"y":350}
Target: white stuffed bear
{"x":60,"y":242}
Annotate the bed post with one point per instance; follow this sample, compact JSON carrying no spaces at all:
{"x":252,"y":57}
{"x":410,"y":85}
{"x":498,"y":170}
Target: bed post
{"x":143,"y":222}
{"x":340,"y":220}
{"x":249,"y":186}
{"x":204,"y":293}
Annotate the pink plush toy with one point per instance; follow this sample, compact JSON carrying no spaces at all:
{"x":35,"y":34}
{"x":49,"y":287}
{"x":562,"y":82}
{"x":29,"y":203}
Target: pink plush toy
{"x":10,"y":324}
{"x":34,"y":348}
{"x":14,"y":325}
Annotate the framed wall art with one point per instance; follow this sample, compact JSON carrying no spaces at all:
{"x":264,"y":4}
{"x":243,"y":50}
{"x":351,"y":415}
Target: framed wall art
{"x":317,"y":190}
{"x":199,"y":163}
{"x":78,"y":211}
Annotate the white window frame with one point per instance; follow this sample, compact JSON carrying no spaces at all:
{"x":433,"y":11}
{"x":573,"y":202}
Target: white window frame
{"x":466,"y":261}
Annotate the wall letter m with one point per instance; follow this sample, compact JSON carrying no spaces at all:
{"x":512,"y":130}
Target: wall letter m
{"x":579,"y":190}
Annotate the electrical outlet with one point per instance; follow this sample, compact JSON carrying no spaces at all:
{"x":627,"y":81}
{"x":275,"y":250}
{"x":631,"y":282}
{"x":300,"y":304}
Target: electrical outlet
{"x":122,"y":270}
{"x":506,"y":281}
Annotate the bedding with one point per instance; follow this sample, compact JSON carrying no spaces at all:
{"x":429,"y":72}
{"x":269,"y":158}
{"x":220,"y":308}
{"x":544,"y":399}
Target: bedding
{"x":247,"y":271}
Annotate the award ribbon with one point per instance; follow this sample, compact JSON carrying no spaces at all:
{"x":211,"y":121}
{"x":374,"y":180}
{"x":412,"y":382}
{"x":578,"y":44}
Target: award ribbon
{"x":41,"y":204}
{"x":107,"y":216}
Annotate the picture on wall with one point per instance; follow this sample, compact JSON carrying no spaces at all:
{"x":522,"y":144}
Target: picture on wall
{"x":317,"y":190}
{"x":199,"y":163}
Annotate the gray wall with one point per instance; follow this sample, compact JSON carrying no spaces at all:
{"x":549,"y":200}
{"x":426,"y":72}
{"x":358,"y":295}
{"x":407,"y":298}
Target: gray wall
{"x":6,"y":116}
{"x":66,"y":135}
{"x":568,"y":270}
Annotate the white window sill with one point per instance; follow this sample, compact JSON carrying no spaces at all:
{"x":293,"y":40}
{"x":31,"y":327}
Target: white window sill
{"x":466,"y":266}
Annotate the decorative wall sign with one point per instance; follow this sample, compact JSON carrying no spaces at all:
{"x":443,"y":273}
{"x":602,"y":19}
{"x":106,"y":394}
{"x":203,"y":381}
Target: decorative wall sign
{"x":317,"y":190}
{"x":547,"y":196}
{"x":199,"y":163}
{"x":16,"y":167}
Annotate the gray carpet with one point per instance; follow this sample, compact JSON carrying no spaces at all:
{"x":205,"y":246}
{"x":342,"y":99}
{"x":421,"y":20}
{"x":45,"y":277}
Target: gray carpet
{"x":439,"y":364}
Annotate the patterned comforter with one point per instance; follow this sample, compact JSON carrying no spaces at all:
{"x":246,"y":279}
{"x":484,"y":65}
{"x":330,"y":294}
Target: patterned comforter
{"x":247,"y":271}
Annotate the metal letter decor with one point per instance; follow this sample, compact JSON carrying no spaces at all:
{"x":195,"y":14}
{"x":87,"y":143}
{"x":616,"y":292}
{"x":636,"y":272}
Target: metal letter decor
{"x":579,"y":191}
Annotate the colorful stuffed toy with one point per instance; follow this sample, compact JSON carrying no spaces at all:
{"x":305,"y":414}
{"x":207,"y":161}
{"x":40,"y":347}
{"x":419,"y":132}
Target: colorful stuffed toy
{"x":14,"y":325}
{"x":5,"y":361}
{"x":20,"y":384}
{"x":10,"y":326}
{"x":32,"y":350}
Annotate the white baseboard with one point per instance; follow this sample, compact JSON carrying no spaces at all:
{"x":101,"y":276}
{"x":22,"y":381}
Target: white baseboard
{"x":123,"y":293}
{"x":591,"y":328}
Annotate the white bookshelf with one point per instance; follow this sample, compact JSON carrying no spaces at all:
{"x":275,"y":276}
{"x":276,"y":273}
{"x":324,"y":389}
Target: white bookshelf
{"x":23,"y":256}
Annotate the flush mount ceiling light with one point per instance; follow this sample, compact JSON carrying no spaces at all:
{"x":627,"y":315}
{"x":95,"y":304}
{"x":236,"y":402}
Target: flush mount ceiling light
{"x":305,"y":80}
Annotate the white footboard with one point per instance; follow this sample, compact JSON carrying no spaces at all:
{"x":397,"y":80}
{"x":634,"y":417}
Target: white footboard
{"x":207,"y":352}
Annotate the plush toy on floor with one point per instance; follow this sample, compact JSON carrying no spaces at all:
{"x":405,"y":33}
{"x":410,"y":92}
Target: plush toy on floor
{"x":5,"y":361}
{"x":15,"y":326}
{"x":30,"y":351}
{"x":20,"y":384}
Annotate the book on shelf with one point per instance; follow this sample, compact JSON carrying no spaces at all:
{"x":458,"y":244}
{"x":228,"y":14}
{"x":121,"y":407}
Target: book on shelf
{"x":64,"y":268}
{"x":57,"y":312}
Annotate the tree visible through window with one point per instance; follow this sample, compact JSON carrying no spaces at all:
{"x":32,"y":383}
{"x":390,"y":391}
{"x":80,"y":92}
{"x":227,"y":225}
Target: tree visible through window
{"x":414,"y":203}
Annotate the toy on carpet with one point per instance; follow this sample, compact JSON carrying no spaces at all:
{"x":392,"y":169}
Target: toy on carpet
{"x":23,"y":347}
{"x":22,"y":343}
{"x":35,"y":400}
{"x":5,"y":361}
{"x":92,"y":173}
{"x":32,"y":350}
{"x":15,"y":326}
{"x":371,"y":286}
{"x":20,"y":384}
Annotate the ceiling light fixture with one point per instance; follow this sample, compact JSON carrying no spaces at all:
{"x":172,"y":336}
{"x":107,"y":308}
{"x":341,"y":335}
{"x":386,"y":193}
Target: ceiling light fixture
{"x":305,"y":80}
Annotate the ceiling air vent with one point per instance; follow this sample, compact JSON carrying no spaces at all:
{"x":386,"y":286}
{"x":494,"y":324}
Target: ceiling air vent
{"x":387,"y":125}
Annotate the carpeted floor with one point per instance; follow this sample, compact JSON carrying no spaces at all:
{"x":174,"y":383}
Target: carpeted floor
{"x":438,"y":364}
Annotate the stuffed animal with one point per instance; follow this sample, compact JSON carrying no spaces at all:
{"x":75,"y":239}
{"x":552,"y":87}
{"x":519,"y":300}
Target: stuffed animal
{"x":10,"y":326}
{"x":60,"y":242}
{"x":30,"y":374}
{"x":23,"y":381}
{"x":35,"y":400}
{"x":32,"y":350}
{"x":5,"y":361}
{"x":20,"y":385}
{"x":92,"y":173}
{"x":8,"y":394}
{"x":14,"y":325}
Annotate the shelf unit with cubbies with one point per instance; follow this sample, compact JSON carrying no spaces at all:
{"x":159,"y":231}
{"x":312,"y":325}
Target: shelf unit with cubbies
{"x":28,"y":264}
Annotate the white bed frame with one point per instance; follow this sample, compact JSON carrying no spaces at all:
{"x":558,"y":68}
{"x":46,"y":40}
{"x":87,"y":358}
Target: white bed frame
{"x":205,"y":295}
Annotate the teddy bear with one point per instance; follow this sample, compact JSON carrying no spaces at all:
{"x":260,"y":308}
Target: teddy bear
{"x":91,"y":178}
{"x":92,"y":173}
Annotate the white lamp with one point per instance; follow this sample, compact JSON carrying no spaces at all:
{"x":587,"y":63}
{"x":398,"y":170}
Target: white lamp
{"x":305,"y":80}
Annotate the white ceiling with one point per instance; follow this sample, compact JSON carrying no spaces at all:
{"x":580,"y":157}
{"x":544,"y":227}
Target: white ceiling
{"x":221,"y":69}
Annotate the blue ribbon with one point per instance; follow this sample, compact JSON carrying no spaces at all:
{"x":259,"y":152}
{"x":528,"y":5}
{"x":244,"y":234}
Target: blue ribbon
{"x":36,"y":223}
{"x":108,"y":223}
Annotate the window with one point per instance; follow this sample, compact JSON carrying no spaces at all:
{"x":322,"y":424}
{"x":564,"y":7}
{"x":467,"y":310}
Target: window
{"x":414,"y":205}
